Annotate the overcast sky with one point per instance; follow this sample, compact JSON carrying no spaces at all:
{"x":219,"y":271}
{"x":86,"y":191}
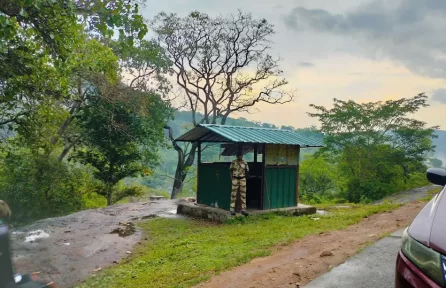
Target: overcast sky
{"x":365,"y":50}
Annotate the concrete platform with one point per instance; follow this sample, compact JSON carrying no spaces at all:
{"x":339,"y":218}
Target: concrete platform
{"x":219,"y":215}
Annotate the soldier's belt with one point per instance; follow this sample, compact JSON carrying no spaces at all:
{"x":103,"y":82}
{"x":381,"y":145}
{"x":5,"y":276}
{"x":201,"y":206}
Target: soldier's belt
{"x":239,"y":178}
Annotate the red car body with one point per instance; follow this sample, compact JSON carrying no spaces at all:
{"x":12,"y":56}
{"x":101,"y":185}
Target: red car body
{"x":429,"y":229}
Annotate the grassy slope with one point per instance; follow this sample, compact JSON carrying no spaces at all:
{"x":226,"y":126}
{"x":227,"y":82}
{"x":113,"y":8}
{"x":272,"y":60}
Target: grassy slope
{"x":181,"y":253}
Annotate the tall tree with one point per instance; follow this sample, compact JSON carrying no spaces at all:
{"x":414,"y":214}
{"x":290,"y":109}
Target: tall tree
{"x":350,"y":124}
{"x":122,"y":129}
{"x":143,"y":67}
{"x":370,"y":140}
{"x":222,"y":66}
{"x":38,"y":37}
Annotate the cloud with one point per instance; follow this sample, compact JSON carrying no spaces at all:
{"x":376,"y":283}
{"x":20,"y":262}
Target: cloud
{"x":306,"y":64}
{"x":409,"y":32}
{"x":439,"y":95}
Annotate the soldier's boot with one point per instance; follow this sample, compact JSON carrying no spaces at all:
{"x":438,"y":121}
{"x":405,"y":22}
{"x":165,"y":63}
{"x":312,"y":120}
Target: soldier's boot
{"x":244,"y":213}
{"x":233,"y":213}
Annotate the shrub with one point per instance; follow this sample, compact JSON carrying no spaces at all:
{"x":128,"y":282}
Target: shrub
{"x":38,"y":186}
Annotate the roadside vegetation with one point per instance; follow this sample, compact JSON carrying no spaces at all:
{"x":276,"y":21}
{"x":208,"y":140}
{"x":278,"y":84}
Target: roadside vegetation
{"x":431,"y":194}
{"x":182,"y":252}
{"x":372,"y":150}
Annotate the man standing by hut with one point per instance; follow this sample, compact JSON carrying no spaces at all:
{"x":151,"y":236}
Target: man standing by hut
{"x":239,"y":171}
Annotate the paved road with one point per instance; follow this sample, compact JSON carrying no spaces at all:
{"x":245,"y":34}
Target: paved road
{"x":410,"y":195}
{"x":372,"y":268}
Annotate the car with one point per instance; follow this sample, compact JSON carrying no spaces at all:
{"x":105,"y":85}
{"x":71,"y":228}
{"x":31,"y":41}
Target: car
{"x":421,"y":261}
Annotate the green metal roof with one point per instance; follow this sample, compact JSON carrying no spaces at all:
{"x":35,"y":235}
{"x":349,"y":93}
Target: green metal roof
{"x":238,"y":134}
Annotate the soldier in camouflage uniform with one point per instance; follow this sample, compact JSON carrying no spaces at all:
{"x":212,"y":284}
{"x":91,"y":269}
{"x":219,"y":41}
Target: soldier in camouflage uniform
{"x":239,"y":171}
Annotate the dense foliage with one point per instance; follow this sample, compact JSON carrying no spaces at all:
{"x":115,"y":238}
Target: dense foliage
{"x":65,"y":95}
{"x":120,"y":137}
{"x":372,"y":150}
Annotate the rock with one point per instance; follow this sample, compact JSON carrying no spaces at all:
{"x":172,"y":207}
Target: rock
{"x":149,"y":216}
{"x":128,"y":252}
{"x":315,"y":219}
{"x":127,"y":229}
{"x":190,"y":199}
{"x":327,"y":254}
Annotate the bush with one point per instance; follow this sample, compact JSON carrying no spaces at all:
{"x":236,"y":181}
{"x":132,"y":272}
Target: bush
{"x":121,"y":192}
{"x":163,"y":193}
{"x":39,"y":186}
{"x":93,"y":200}
{"x":417,"y":179}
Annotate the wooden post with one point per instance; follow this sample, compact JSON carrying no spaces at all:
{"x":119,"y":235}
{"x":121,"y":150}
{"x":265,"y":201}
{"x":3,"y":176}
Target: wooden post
{"x":198,"y":171}
{"x":262,"y":195}
{"x":255,"y":152}
{"x":297,"y":176}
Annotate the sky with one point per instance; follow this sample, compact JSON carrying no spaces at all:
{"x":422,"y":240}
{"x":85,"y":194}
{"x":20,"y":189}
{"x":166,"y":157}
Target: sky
{"x":364,"y":50}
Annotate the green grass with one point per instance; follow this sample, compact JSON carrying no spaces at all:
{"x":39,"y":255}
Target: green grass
{"x":182,"y":253}
{"x":431,"y":193}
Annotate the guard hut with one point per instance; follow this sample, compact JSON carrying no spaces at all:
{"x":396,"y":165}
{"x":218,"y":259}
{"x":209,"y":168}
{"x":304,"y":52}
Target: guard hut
{"x":273,"y":181}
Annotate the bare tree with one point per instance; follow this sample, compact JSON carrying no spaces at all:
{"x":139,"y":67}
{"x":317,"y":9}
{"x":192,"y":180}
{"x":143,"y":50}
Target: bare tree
{"x":223,"y":66}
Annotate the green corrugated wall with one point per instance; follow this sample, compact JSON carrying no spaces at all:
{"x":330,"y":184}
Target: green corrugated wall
{"x":214,"y":186}
{"x":280,"y":187}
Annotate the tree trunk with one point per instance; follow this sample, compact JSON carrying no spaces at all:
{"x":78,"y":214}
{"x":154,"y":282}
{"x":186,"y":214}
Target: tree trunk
{"x":68,"y":147}
{"x":185,"y":160}
{"x":109,"y":196}
{"x":184,"y":163}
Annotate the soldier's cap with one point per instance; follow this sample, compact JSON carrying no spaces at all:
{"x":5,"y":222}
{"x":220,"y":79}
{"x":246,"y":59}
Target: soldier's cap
{"x":239,"y":153}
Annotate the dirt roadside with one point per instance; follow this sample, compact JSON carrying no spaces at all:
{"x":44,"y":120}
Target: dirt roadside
{"x":308,"y":258}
